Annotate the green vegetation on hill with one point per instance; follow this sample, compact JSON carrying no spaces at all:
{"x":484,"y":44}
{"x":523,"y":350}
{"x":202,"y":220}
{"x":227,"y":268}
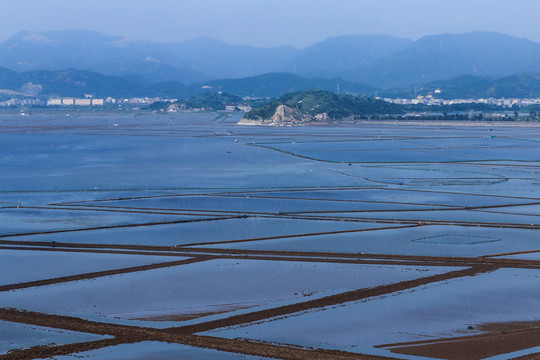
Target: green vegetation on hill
{"x":215,"y":101}
{"x":475,"y":87}
{"x":210,"y":101}
{"x":277,"y":84}
{"x":79,"y":82}
{"x":312,"y":102}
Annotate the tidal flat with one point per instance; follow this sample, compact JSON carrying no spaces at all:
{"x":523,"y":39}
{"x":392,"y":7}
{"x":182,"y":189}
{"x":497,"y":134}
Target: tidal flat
{"x":132,"y":235}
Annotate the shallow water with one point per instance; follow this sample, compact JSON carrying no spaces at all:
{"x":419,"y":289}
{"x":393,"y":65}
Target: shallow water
{"x":204,"y":288}
{"x":441,"y":310}
{"x":23,"y":266}
{"x":280,"y":216}
{"x":203,"y":232}
{"x":20,"y":336}
{"x":156,"y":350}
{"x":432,"y":240}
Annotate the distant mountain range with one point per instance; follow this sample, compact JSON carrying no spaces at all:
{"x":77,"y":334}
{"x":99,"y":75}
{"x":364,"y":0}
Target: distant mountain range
{"x":379,"y":60}
{"x":441,"y":57}
{"x":191,"y":61}
{"x":80,"y":82}
{"x":70,"y":63}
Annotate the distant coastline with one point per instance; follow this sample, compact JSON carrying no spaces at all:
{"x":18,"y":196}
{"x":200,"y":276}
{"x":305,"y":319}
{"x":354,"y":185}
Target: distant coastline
{"x":466,"y":123}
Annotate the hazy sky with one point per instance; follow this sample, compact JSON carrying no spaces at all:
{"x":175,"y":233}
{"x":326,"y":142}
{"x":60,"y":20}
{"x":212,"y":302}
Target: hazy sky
{"x":270,"y":22}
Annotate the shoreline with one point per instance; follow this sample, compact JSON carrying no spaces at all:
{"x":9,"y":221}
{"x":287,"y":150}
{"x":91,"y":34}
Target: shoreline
{"x":465,"y":123}
{"x":455,"y":123}
{"x":249,"y":122}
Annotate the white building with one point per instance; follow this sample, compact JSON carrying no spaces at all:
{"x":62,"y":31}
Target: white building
{"x":54,"y":102}
{"x":322,"y":116}
{"x":83,"y":102}
{"x":68,"y":101}
{"x":244,"y":108}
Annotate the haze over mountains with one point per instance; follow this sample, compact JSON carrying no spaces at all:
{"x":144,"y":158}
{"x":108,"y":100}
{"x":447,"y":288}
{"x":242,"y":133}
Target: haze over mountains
{"x":358,"y":63}
{"x":191,"y":61}
{"x":80,"y":82}
{"x":441,"y":57}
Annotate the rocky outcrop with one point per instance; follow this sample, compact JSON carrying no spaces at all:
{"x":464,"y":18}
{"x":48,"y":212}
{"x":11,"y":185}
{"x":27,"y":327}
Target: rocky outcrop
{"x":285,"y":114}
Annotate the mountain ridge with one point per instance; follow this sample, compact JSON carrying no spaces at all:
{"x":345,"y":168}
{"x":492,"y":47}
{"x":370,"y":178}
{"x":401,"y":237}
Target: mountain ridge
{"x":71,"y":82}
{"x":381,"y":61}
{"x":444,"y":56}
{"x":191,"y":61}
{"x":521,"y":85}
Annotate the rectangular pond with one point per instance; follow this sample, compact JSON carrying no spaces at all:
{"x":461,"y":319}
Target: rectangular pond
{"x":431,"y":240}
{"x":166,"y":297}
{"x":19,"y":266}
{"x":202,"y":232}
{"x":14,"y":336}
{"x":451,"y":309}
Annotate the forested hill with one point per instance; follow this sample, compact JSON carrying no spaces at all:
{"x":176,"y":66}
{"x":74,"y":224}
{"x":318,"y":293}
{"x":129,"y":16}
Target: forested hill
{"x":309,"y":104}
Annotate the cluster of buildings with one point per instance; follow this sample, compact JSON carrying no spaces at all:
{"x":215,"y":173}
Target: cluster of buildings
{"x":87,"y":101}
{"x":430,"y":100}
{"x":22,"y":103}
{"x":90,"y":101}
{"x":231,"y":107}
{"x":140,"y":100}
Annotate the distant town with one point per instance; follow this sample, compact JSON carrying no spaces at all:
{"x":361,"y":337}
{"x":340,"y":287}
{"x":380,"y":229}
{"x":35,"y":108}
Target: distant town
{"x":137,"y":102}
{"x":171,"y":105}
{"x":432,"y":100}
{"x":88,"y":100}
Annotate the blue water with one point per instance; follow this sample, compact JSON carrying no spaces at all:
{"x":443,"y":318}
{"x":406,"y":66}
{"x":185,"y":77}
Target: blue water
{"x":353,"y":190}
